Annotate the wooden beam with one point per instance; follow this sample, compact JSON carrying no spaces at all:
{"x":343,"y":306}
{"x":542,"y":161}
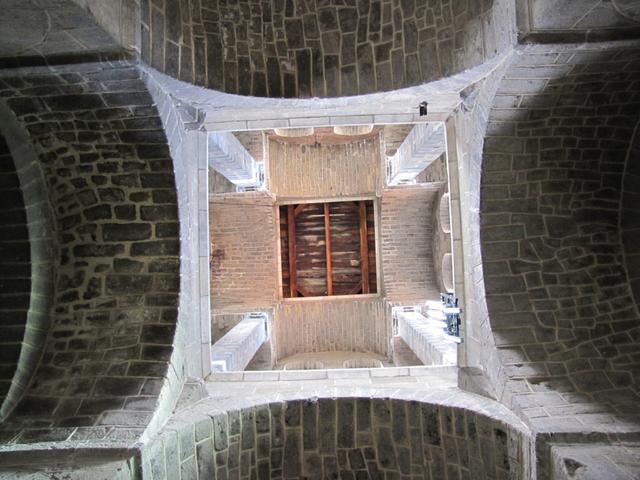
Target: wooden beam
{"x":364,"y":248}
{"x":304,"y":292}
{"x":291,"y":227}
{"x":327,"y":244}
{"x":302,"y":207}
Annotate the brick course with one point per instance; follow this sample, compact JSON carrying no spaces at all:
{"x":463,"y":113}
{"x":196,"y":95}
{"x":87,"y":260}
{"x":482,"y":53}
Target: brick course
{"x":244,"y":269}
{"x":406,"y":243}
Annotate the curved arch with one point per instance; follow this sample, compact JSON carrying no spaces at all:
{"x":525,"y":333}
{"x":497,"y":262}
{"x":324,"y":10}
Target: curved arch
{"x":306,"y":436}
{"x":444,"y":213}
{"x":447,"y":272}
{"x":44,"y":254}
{"x":559,"y":301}
{"x":629,"y":217}
{"x":332,"y":49}
{"x":109,"y":179}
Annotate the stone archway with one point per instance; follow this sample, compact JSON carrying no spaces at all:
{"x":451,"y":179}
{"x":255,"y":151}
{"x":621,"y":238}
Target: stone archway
{"x":43,"y":255}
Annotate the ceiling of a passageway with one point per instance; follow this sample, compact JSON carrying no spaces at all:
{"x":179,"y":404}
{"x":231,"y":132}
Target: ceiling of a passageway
{"x":556,"y":209}
{"x":103,"y":373}
{"x":628,"y":8}
{"x":321,"y":48}
{"x":39,"y":32}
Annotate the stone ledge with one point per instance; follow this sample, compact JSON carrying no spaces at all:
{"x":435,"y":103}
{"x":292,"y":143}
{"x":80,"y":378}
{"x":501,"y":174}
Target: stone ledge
{"x":325,"y":374}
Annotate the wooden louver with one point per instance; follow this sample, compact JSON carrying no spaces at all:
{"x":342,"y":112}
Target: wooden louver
{"x":328,"y":249}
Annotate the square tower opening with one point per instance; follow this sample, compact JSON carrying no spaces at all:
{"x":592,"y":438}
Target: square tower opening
{"x":328,"y":248}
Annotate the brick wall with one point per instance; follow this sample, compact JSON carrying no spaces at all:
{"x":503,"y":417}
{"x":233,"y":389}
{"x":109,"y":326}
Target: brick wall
{"x":353,"y":325}
{"x":15,"y":269}
{"x":324,"y":49}
{"x":244,"y":269}
{"x":318,"y":171}
{"x":559,"y":301}
{"x":43,"y":254}
{"x":406,"y":236}
{"x":109,"y":178}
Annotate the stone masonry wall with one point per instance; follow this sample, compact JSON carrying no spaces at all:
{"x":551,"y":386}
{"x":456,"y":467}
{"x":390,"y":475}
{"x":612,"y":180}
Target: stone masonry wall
{"x":559,"y":301}
{"x":614,"y":462}
{"x":43,"y":255}
{"x":465,"y":161}
{"x":110,"y":182}
{"x":244,"y":268}
{"x":406,"y":243}
{"x":120,"y":18}
{"x":46,"y":32}
{"x":321,"y":48}
{"x":338,"y":438}
{"x":15,"y":269}
{"x":191,"y":355}
{"x":585,"y":20}
{"x":630,"y":215}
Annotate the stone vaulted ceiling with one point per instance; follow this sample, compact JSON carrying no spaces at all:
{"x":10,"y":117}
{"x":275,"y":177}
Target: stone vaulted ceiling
{"x":102,"y":168}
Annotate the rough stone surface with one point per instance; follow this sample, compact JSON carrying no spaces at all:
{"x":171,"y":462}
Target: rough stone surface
{"x":323,"y":49}
{"x":105,"y":322}
{"x":40,"y":32}
{"x":119,"y":18}
{"x":15,"y":269}
{"x":629,"y":217}
{"x":591,"y":462}
{"x":319,"y":438}
{"x":103,"y":272}
{"x":578,"y":21}
{"x":558,"y":296}
{"x":464,"y":161}
{"x":628,"y":8}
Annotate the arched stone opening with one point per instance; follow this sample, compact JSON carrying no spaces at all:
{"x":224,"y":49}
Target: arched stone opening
{"x":37,"y":257}
{"x":560,"y":305}
{"x":346,"y":436}
{"x":280,"y":49}
{"x":629,"y":216}
{"x":108,"y":176}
